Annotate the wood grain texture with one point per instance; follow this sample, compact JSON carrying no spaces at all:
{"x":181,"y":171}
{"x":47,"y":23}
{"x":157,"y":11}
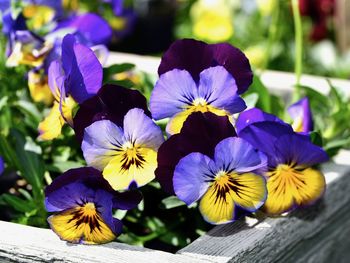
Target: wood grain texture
{"x":316,"y":234}
{"x":19,"y":243}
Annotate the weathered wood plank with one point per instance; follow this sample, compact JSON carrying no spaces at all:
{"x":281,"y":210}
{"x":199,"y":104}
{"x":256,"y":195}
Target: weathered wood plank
{"x":316,"y":234}
{"x":19,"y":243}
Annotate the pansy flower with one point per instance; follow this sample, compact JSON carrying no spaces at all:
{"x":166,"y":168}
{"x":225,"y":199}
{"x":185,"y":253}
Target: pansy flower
{"x":127,"y":155}
{"x":177,"y":95}
{"x":111,"y":102}
{"x":73,"y":79}
{"x":229,"y":182}
{"x":82,"y":203}
{"x":197,"y":77}
{"x":201,"y":132}
{"x":292,"y":180}
{"x":301,"y":115}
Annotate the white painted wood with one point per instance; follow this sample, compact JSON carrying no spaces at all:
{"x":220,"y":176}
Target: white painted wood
{"x":19,"y":243}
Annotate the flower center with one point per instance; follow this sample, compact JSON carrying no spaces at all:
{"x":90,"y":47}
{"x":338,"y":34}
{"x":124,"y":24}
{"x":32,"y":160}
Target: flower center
{"x":89,"y":209}
{"x":200,"y":104}
{"x":132,"y":156}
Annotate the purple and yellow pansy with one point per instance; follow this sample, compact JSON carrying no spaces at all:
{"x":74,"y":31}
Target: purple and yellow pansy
{"x":126,"y":154}
{"x":82,"y":203}
{"x":292,"y":181}
{"x":74,"y":78}
{"x":229,"y":182}
{"x":209,"y":84}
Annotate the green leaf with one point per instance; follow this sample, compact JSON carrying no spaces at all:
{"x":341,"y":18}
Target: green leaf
{"x":18,"y":204}
{"x":30,"y":164}
{"x":264,"y":101}
{"x":61,"y":167}
{"x":316,"y":138}
{"x":171,"y":202}
{"x":115,"y":69}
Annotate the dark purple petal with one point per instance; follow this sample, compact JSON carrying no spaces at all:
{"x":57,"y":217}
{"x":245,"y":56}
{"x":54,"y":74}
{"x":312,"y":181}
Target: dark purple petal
{"x":191,"y":55}
{"x":112,"y":102}
{"x":295,"y":149}
{"x":263,"y":135}
{"x":72,"y":186}
{"x":195,"y":56}
{"x":201,"y":132}
{"x":235,"y":62}
{"x":255,"y":115}
{"x":127,"y":200}
{"x":68,"y":53}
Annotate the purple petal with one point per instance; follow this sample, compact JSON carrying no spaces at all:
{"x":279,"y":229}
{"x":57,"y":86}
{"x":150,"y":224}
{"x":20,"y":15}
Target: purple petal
{"x":68,"y":53}
{"x":236,"y":63}
{"x":190,"y":177}
{"x":127,"y":200}
{"x":219,"y":89}
{"x":2,"y":165}
{"x":112,"y":102}
{"x":94,"y":28}
{"x":254,"y":115}
{"x":101,"y":140}
{"x":191,"y":55}
{"x":73,"y":186}
{"x":295,"y":148}
{"x":139,"y":128}
{"x":301,"y":111}
{"x":56,"y":78}
{"x":263,"y":135}
{"x":172,"y":93}
{"x":86,"y":74}
{"x":195,"y":56}
{"x":238,"y":155}
{"x":201,"y":132}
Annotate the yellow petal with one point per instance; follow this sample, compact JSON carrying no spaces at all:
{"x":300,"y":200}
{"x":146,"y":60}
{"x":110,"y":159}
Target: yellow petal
{"x":50,"y":128}
{"x":124,"y":168}
{"x":39,"y":88}
{"x":289,"y":187}
{"x":76,"y":226}
{"x":216,"y":207}
{"x":249,"y":190}
{"x":38,"y":15}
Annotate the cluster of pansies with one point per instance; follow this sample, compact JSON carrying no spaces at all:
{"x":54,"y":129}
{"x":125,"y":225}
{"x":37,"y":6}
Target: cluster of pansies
{"x":233,"y":164}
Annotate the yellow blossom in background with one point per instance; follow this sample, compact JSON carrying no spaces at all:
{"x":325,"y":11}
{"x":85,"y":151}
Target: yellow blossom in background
{"x":266,"y":7}
{"x":39,"y":87}
{"x":212,"y":20}
{"x":38,"y":16}
{"x":70,"y":5}
{"x":256,"y":55}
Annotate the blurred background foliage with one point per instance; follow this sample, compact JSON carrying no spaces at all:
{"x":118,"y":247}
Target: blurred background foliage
{"x":264,"y":30}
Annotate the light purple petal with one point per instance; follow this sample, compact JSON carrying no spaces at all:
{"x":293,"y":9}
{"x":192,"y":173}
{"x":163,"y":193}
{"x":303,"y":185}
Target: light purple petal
{"x":236,"y":154}
{"x":219,"y":89}
{"x":190,"y":177}
{"x":139,"y":128}
{"x":55,"y":77}
{"x":301,"y":111}
{"x":101,"y":140}
{"x":173,"y":91}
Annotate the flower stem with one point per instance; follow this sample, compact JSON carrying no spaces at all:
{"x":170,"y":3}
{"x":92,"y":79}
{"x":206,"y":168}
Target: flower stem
{"x":298,"y":67}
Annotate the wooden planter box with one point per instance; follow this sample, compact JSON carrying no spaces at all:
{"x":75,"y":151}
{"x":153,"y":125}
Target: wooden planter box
{"x":317,"y":234}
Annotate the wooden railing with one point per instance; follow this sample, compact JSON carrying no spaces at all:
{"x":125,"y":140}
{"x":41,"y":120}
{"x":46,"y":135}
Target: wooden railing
{"x":316,"y":234}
